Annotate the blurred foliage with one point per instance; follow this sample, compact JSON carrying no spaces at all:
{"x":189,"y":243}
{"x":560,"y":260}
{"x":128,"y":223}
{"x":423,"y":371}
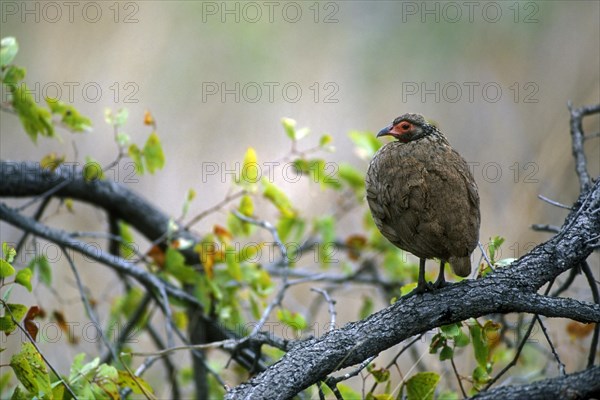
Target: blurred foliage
{"x":232,"y":280}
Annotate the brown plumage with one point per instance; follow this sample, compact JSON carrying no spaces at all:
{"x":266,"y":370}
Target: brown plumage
{"x":423,"y":197}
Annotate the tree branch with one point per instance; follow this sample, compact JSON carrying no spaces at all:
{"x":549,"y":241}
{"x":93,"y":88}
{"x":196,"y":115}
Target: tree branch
{"x":510,"y":289}
{"x":580,"y":385}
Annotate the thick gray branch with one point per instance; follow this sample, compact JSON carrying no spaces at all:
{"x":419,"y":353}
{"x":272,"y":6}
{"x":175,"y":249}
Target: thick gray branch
{"x":27,"y":179}
{"x":511,"y":289}
{"x":580,"y":385}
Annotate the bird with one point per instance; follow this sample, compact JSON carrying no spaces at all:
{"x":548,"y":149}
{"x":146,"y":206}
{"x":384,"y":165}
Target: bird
{"x":423,"y":197}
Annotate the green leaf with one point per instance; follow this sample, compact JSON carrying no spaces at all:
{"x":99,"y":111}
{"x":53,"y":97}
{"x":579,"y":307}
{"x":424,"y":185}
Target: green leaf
{"x":121,"y":117}
{"x":326,"y":248}
{"x":450,"y":331}
{"x":291,"y":319}
{"x":289,"y":126}
{"x":8,"y":50}
{"x":279,"y":199}
{"x":449,"y":395}
{"x":137,"y":156}
{"x":123,"y":139}
{"x":175,"y":265}
{"x":92,"y":170}
{"x":191,"y":195}
{"x":246,"y":206}
{"x":4,"y":381}
{"x":291,"y":229}
{"x":44,"y":269}
{"x":366,"y":144}
{"x":347,"y":392}
{"x":446,"y":353}
{"x":380,"y":375}
{"x":13,"y":76}
{"x":6,"y":269}
{"x":126,"y":245}
{"x":480,"y":345}
{"x":325,"y":141}
{"x":480,"y":375}
{"x":9,"y":252}
{"x":437,"y":341}
{"x":318,"y":171}
{"x":462,"y":339}
{"x":35,"y":120}
{"x":23,"y":278}
{"x":30,"y":370}
{"x":153,"y":153}
{"x":495,"y":243}
{"x":232,"y":261}
{"x":137,"y":384}
{"x":70,"y":116}
{"x":352,"y":176}
{"x":236,"y":225}
{"x":422,"y":386}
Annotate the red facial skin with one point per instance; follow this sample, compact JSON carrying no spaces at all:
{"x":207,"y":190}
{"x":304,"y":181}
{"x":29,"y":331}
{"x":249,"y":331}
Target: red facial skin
{"x":402,"y":131}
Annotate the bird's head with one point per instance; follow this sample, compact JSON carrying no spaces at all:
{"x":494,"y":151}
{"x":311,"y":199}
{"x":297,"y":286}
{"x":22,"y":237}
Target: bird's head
{"x":408,"y":127}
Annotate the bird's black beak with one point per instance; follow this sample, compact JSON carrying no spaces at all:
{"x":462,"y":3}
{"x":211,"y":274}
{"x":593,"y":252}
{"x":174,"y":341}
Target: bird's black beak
{"x":385,"y":131}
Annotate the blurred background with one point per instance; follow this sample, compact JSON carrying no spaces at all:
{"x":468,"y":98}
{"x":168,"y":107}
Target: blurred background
{"x":219,"y":76}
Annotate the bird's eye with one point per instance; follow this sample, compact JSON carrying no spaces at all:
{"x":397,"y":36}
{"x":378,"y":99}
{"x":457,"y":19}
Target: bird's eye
{"x":405,"y":126}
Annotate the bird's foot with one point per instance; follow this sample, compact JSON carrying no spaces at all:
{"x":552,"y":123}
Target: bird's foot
{"x":422,"y":287}
{"x":441,"y":283}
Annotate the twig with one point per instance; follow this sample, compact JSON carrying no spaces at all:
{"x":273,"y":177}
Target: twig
{"x":169,"y":366}
{"x":554,"y":203}
{"x":124,"y":333}
{"x":44,"y":195}
{"x":335,"y":380}
{"x":223,"y":344}
{"x":561,"y":366}
{"x":330,"y":306}
{"x":86,"y":302}
{"x":585,"y":267}
{"x":577,"y":138}
{"x":513,"y":362}
{"x":214,"y":208}
{"x":487,"y":260}
{"x":393,"y":361}
{"x":567,"y":283}
{"x":591,"y":136}
{"x":462,"y":389}
{"x":36,"y":216}
{"x":284,"y":265}
{"x":545,"y":228}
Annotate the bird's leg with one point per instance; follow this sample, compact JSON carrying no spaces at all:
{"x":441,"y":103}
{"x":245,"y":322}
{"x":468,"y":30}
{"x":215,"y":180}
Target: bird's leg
{"x":422,"y":285}
{"x":441,"y":280}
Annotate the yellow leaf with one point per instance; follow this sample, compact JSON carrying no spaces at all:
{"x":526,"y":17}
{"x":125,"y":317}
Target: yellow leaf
{"x":250,"y":167}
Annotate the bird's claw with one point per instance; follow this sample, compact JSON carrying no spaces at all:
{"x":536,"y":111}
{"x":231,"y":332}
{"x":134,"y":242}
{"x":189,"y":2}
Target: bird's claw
{"x":421,"y":288}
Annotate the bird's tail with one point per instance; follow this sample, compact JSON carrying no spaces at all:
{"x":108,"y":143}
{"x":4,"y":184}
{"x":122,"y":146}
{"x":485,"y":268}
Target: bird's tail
{"x":461,"y":265}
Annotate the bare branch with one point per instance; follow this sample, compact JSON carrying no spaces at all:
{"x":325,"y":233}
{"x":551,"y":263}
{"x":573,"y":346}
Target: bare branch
{"x":86,"y":303}
{"x":580,"y":385}
{"x":577,"y":139}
